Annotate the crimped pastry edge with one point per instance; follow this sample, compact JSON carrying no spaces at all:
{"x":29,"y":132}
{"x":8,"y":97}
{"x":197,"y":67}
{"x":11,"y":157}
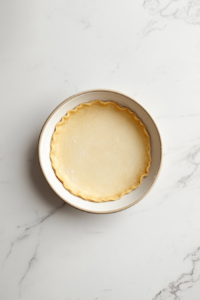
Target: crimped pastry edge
{"x":62,"y":179}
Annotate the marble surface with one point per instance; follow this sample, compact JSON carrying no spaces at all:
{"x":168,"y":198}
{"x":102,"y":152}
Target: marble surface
{"x":50,"y":50}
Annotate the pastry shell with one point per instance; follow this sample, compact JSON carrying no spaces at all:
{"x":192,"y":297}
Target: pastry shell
{"x":71,"y":165}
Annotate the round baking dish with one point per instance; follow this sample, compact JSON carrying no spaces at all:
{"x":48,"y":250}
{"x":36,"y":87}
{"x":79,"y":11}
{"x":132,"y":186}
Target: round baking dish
{"x":45,"y":162}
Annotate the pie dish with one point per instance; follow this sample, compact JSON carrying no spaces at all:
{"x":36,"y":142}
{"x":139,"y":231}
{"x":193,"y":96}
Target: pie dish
{"x":126,"y":201}
{"x":100,"y":151}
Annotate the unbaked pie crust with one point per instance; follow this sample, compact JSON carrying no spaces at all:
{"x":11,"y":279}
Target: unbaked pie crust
{"x":100,"y":151}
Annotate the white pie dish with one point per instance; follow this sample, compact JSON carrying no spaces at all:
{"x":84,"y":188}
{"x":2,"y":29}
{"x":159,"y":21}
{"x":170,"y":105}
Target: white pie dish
{"x":45,"y":162}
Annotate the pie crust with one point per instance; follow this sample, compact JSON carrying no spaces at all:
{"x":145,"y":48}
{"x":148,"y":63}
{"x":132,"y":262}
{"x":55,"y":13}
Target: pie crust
{"x":100,"y":151}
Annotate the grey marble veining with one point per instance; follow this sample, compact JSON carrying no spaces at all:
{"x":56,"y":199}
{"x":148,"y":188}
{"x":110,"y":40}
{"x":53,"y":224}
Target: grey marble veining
{"x":186,"y":281}
{"x":186,"y":10}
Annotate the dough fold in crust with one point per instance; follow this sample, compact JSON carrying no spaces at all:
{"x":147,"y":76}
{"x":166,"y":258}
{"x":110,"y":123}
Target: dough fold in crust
{"x":100,"y":151}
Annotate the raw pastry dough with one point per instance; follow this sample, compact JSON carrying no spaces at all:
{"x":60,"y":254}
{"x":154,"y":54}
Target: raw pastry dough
{"x":100,"y":151}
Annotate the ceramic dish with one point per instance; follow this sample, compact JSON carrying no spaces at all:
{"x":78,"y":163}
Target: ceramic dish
{"x":45,"y":162}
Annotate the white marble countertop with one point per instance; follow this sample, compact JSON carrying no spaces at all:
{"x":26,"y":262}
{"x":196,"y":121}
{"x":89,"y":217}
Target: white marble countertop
{"x":149,"y":50}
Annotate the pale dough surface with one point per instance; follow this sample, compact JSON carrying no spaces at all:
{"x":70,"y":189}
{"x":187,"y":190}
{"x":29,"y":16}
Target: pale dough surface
{"x":100,"y":151}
